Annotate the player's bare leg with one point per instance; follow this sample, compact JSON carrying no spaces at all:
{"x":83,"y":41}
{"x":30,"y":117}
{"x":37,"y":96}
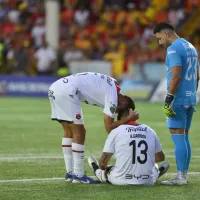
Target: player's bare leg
{"x":67,"y":151}
{"x":181,"y":155}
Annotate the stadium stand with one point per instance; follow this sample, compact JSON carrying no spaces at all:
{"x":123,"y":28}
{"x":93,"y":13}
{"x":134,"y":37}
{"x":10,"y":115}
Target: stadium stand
{"x":119,"y":31}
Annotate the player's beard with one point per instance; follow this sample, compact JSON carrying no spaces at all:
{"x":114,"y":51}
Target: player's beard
{"x":164,"y":46}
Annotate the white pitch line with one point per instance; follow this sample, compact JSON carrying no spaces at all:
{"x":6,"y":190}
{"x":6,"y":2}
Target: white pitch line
{"x":59,"y":179}
{"x":35,"y":179}
{"x":172,"y":156}
{"x":30,"y":158}
{"x":54,"y":157}
{"x":29,"y":180}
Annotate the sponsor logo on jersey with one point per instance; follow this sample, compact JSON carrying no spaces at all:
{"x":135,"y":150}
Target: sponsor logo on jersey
{"x":78,"y":116}
{"x":171,"y":52}
{"x":142,"y":176}
{"x":135,"y":129}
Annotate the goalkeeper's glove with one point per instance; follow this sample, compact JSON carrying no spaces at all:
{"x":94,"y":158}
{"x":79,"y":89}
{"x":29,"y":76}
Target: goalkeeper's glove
{"x":168,"y":110}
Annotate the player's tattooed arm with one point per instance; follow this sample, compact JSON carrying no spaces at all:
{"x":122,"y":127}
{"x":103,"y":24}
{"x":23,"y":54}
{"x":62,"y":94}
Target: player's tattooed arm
{"x":103,"y":161}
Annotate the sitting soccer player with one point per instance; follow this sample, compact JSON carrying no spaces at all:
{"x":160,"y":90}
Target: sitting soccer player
{"x":136,"y":149}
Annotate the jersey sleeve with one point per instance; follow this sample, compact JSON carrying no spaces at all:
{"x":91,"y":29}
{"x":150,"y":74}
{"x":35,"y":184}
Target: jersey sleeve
{"x":109,"y":146}
{"x":174,"y":58}
{"x":111,"y":102}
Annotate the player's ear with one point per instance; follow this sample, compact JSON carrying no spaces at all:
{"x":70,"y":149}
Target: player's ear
{"x":167,"y":34}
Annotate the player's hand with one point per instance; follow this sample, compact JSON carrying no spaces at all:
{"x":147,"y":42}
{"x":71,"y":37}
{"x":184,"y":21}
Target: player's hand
{"x":133,"y":115}
{"x":168,"y":110}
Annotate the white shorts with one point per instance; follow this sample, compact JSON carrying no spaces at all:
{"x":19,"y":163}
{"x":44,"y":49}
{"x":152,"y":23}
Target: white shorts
{"x":121,"y":181}
{"x":65,"y":103}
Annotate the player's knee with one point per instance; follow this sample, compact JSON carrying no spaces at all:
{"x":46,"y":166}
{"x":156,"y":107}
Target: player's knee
{"x":159,"y":156}
{"x":177,"y":130}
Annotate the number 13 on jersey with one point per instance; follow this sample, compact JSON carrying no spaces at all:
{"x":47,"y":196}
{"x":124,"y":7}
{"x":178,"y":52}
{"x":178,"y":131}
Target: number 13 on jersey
{"x":142,"y":147}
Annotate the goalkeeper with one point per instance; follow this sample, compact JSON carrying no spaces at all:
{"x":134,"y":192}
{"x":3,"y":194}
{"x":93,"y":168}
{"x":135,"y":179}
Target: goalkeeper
{"x":182,"y":83}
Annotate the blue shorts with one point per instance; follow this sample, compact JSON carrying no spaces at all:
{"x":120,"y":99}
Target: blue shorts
{"x":183,"y":117}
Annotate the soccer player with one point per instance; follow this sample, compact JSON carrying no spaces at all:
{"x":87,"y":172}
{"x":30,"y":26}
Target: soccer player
{"x":136,"y":148}
{"x":182,"y":83}
{"x":65,"y":96}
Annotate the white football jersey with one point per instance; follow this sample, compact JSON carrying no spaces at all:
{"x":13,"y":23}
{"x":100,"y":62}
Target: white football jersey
{"x":96,"y":89}
{"x":134,"y":148}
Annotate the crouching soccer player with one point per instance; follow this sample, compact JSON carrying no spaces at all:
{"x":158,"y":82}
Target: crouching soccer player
{"x":136,"y":148}
{"x":65,"y":96}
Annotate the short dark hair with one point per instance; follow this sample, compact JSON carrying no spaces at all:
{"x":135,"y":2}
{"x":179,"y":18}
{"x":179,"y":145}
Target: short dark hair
{"x":125,"y":111}
{"x":163,"y":25}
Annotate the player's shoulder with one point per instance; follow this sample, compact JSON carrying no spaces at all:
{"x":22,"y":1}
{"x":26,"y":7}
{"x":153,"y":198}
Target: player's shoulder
{"x":149,"y":130}
{"x":176,"y":46}
{"x":120,"y":129}
{"x":171,"y":50}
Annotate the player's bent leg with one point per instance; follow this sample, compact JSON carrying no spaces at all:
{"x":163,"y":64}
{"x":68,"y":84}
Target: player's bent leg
{"x":163,"y":168}
{"x":67,"y":151}
{"x":93,"y":163}
{"x":94,"y":166}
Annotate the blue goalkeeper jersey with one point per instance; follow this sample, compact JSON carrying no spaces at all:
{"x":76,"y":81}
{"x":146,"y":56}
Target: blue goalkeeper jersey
{"x":182,"y":53}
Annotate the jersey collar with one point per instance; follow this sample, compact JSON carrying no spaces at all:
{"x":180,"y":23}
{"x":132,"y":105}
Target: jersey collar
{"x":118,"y":88}
{"x":133,"y":123}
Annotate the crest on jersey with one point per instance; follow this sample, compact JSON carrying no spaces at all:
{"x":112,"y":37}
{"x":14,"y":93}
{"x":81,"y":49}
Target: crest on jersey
{"x":78,"y":116}
{"x":112,"y":108}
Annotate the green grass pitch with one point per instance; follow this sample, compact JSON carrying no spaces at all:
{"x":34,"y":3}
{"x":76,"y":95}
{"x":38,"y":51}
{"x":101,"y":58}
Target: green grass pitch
{"x":31,"y":155}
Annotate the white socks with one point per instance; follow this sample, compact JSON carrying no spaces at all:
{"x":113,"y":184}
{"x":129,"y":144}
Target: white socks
{"x":78,"y":158}
{"x":73,"y":156}
{"x":67,"y":151}
{"x":182,"y":174}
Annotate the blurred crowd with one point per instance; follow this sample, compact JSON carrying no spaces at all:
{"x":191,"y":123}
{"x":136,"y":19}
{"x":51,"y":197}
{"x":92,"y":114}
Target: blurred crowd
{"x":119,"y":31}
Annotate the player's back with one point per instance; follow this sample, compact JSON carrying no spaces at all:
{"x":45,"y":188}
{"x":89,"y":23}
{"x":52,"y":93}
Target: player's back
{"x":135,"y":147}
{"x":94,"y":88}
{"x":186,"y":93}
